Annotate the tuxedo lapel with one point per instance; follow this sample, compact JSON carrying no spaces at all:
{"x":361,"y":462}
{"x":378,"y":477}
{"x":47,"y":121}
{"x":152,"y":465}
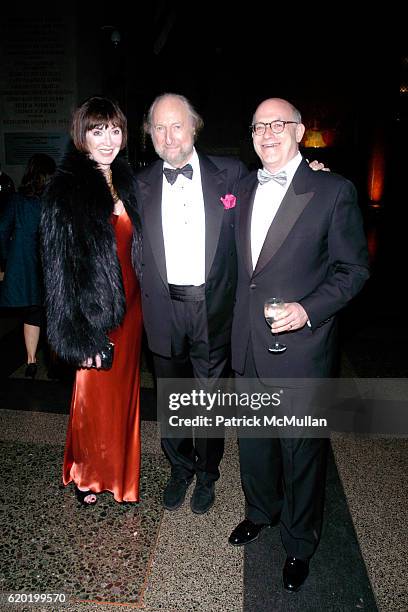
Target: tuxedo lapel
{"x":292,"y":206}
{"x":247,"y":196}
{"x":151,"y":193}
{"x":214,"y":184}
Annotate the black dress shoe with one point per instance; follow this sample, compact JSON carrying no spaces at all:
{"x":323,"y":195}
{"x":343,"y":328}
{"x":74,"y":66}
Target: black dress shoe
{"x":203,"y":497}
{"x":31,"y":370}
{"x":175,"y":492}
{"x":295,"y":572}
{"x":245,"y":532}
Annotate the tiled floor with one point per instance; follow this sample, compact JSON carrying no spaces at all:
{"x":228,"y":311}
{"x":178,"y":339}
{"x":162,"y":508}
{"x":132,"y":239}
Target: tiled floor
{"x":139,"y":556}
{"x":54,"y":545}
{"x":118,"y":553}
{"x":374,"y":477}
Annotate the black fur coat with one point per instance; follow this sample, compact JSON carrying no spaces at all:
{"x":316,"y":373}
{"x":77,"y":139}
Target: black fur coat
{"x":83,"y":280}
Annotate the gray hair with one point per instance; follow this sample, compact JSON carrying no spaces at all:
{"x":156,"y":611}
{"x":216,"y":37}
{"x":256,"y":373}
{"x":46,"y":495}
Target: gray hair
{"x":198,"y":122}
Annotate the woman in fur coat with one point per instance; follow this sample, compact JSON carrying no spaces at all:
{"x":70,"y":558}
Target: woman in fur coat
{"x":91,"y":254}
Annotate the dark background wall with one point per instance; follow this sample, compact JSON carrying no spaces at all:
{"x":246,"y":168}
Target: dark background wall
{"x":341,"y":72}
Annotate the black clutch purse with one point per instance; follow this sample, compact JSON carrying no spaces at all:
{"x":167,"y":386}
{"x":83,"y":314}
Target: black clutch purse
{"x":106,"y":355}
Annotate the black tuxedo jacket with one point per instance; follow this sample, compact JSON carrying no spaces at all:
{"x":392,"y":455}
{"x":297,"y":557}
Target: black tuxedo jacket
{"x":219,"y":176}
{"x":315,"y":253}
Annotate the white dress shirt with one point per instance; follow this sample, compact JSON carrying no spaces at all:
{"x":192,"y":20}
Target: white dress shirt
{"x":183,"y":221}
{"x":268,"y":198}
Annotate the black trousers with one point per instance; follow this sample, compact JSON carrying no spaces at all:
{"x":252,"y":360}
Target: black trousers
{"x":284,"y":477}
{"x":192,"y":357}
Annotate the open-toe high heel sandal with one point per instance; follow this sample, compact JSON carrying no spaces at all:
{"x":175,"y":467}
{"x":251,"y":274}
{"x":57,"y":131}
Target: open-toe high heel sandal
{"x":81,"y":495}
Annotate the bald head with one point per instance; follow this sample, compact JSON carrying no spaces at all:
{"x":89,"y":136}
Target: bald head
{"x":284,"y":105}
{"x":276,"y":150}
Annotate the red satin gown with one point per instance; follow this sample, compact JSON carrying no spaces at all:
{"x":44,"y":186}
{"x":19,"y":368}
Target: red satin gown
{"x":102,"y":451}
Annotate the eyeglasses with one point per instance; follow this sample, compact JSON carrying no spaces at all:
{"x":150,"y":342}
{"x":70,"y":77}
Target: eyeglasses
{"x":277,"y":127}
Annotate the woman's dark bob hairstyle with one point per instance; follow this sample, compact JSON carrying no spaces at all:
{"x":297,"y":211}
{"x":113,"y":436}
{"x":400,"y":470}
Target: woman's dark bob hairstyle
{"x":96,"y":112}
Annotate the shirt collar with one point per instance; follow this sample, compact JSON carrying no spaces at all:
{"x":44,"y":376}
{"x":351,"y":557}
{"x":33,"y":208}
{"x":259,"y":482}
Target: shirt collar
{"x":291,"y":167}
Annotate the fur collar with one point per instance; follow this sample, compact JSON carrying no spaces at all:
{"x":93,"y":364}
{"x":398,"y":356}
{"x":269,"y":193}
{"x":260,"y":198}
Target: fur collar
{"x":78,"y":179}
{"x":83,"y":279}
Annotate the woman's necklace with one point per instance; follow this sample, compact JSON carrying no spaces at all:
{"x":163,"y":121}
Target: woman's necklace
{"x":112,"y":189}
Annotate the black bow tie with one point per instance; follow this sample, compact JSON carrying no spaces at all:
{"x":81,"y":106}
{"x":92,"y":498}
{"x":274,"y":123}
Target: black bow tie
{"x":171,"y":174}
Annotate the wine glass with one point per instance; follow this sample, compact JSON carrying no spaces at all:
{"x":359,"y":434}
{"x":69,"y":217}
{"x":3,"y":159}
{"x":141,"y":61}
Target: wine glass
{"x":271,"y":308}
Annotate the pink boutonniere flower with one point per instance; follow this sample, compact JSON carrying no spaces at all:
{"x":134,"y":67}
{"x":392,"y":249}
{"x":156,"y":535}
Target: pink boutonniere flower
{"x":229,"y":201}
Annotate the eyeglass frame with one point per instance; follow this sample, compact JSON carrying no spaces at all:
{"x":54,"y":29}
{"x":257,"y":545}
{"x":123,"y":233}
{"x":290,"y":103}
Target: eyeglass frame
{"x":269,"y":124}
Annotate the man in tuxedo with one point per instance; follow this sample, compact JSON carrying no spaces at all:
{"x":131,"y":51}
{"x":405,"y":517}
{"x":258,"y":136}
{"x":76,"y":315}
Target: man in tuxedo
{"x":189,"y":276}
{"x":299,"y":236}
